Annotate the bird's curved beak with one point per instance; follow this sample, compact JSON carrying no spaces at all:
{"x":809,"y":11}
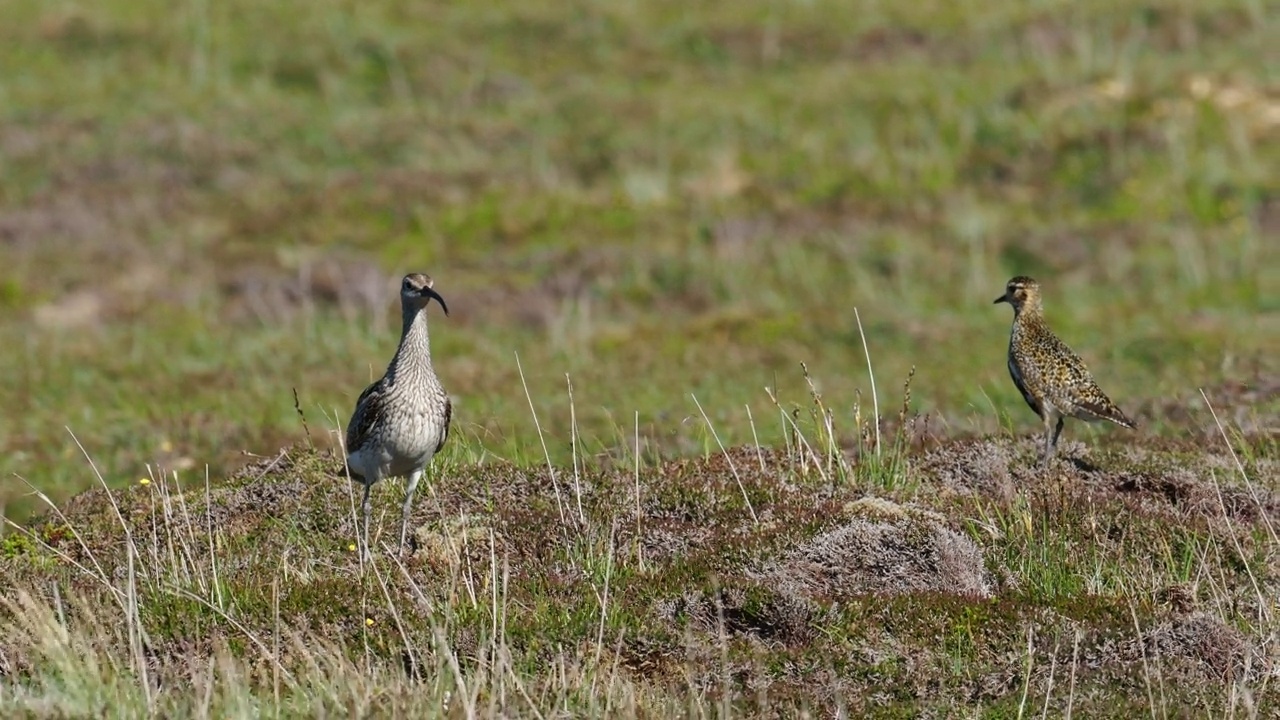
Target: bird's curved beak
{"x":1002,"y":298}
{"x":432,"y":294}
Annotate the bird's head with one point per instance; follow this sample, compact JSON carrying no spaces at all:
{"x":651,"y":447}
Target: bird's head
{"x":1021,"y":292}
{"x":416,"y":292}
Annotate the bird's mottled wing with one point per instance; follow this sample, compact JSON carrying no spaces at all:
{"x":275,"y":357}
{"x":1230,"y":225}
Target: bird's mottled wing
{"x":1068,"y":367}
{"x":370,"y":408}
{"x":448,"y":417}
{"x":1084,"y":393}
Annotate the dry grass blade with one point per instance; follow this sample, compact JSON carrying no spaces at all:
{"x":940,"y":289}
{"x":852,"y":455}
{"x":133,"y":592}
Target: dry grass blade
{"x":875,"y":397}
{"x":1244,"y":476}
{"x":1264,"y":607}
{"x":732,"y":467}
{"x":551,"y":470}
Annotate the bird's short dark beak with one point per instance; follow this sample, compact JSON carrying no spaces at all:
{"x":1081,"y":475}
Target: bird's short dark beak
{"x":1002,"y":298}
{"x":433,"y":294}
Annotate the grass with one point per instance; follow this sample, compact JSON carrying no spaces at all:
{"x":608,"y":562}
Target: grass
{"x":715,"y":222}
{"x":738,"y":583}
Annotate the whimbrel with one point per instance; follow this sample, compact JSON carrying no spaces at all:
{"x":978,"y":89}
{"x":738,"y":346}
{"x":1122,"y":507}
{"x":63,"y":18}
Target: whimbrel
{"x":402,"y":420}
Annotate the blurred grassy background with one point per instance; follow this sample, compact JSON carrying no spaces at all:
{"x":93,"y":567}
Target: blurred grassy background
{"x":205,"y":205}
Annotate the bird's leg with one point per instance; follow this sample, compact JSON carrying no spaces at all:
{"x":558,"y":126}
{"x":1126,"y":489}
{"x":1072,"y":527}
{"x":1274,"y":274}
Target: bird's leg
{"x":1053,"y":447}
{"x":408,"y":504}
{"x":1050,"y":438}
{"x":364,"y":506}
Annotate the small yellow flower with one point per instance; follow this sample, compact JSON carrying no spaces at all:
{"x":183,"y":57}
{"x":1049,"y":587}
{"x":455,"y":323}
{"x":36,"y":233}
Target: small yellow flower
{"x":368,"y":622}
{"x":351,"y":547}
{"x":144,"y":481}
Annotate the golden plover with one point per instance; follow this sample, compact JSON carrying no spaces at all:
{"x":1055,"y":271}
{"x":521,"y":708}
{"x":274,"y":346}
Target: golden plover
{"x":402,"y":420}
{"x":1052,"y":379}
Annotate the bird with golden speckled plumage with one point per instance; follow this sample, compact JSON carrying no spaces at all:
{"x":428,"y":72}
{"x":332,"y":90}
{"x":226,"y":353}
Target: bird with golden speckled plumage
{"x":1052,"y":379}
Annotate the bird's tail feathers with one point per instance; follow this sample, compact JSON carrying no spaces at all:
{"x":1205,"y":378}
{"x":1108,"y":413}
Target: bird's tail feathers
{"x":1094,"y":412}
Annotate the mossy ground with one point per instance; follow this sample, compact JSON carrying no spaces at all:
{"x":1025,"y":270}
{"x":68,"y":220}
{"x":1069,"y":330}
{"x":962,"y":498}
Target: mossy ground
{"x":1118,"y":583}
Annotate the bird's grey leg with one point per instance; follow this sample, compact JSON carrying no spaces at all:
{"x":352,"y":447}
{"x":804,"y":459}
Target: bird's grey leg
{"x":408,"y":504}
{"x":364,"y":506}
{"x":1050,"y":438}
{"x":1057,"y":430}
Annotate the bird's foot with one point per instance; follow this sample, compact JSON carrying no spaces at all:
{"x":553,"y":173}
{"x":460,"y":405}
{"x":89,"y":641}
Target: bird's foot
{"x":407,"y":548}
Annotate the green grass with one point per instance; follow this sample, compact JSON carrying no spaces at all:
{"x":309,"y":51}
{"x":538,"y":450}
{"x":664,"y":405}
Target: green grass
{"x":656,"y":201}
{"x":204,"y":208}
